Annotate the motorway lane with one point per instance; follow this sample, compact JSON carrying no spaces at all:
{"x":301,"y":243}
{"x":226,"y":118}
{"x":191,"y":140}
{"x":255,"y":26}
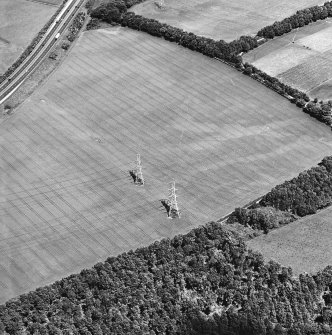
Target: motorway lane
{"x":44,"y":46}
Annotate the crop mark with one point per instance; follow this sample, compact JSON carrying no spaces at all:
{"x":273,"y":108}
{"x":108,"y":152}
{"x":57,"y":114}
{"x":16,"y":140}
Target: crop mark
{"x":4,"y":40}
{"x":72,"y":196}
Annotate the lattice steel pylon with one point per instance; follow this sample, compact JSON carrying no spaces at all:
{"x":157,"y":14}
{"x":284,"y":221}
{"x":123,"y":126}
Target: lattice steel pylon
{"x":172,"y":202}
{"x":139,"y":180}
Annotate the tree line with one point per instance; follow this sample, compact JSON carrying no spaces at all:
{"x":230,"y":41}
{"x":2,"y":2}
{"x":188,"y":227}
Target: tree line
{"x":305,"y":194}
{"x":203,"y":282}
{"x":116,"y":11}
{"x":321,"y":111}
{"x":298,"y":197}
{"x":298,"y":97}
{"x":299,"y":19}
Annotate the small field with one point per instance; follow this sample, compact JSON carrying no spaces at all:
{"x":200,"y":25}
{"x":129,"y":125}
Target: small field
{"x":20,"y":21}
{"x":305,"y":64}
{"x":305,"y":245}
{"x":222,"y":19}
{"x":67,"y":199}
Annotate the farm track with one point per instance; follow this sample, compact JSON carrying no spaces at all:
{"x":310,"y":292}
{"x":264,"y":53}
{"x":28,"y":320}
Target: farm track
{"x":68,"y":200}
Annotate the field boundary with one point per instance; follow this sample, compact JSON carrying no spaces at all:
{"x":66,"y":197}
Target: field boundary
{"x":300,"y":19}
{"x":297,"y":196}
{"x":229,"y":53}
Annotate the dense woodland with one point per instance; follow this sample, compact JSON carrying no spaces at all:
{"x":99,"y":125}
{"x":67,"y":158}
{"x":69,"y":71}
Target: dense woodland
{"x":204,"y":282}
{"x":301,"y":196}
{"x":299,"y":19}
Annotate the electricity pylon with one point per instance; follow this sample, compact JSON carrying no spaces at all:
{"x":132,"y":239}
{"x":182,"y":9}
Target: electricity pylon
{"x":139,"y":180}
{"x":172,"y":202}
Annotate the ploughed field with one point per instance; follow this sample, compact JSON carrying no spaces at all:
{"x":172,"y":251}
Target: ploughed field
{"x":220,"y":19}
{"x":20,"y":22}
{"x":305,"y":64}
{"x":68,"y":200}
{"x":305,"y":245}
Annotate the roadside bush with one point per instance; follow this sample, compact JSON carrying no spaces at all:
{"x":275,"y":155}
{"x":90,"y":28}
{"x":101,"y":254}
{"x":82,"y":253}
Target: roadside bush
{"x":53,"y":55}
{"x":7,"y":109}
{"x":65,"y":45}
{"x":76,"y":26}
{"x":32,"y":45}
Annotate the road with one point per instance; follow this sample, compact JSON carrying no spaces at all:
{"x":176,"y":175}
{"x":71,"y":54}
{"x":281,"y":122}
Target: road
{"x":61,"y":22}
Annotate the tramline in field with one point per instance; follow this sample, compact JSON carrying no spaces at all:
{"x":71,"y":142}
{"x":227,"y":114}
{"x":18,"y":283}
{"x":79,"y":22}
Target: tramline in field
{"x":68,"y":202}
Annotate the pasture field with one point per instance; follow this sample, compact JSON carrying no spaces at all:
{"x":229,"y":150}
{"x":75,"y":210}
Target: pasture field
{"x":305,"y":64}
{"x":220,"y":19}
{"x":20,"y":22}
{"x":305,"y":245}
{"x":67,"y":198}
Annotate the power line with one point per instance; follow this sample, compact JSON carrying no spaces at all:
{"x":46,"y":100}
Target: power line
{"x":139,"y":179}
{"x":172,"y":202}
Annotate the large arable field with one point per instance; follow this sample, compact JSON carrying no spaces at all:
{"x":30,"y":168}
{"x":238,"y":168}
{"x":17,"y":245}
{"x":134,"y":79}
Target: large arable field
{"x":220,"y":19}
{"x":305,"y":64}
{"x":20,"y":21}
{"x":305,"y":245}
{"x":67,"y":198}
